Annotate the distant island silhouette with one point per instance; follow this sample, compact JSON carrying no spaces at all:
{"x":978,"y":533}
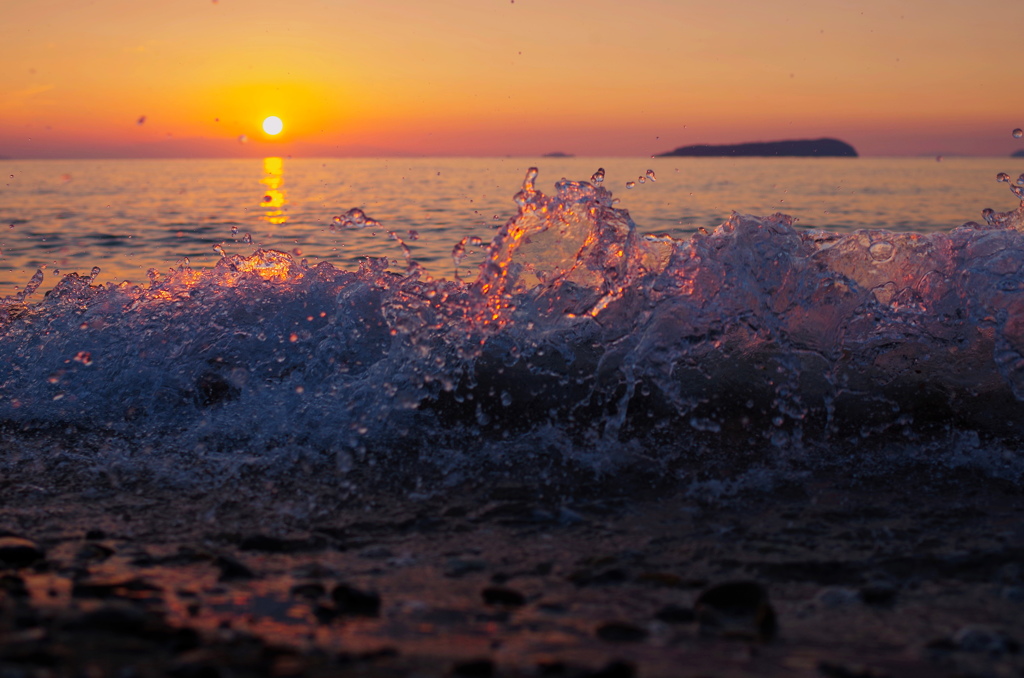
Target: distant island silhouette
{"x":1018,"y":154}
{"x":557,"y":154}
{"x":820,"y":148}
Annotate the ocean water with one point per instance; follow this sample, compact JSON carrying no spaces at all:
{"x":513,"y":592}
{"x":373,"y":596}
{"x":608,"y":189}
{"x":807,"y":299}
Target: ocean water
{"x":709,"y":323}
{"x":129,"y":216}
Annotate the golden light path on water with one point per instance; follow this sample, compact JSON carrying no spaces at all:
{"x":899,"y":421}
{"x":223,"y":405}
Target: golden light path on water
{"x":273,"y":200}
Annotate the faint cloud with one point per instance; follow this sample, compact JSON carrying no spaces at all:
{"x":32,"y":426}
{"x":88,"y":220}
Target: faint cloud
{"x":20,"y":97}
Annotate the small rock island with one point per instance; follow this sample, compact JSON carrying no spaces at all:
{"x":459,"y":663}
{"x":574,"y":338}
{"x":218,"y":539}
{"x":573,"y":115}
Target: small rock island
{"x":798,"y":148}
{"x":1018,"y":154}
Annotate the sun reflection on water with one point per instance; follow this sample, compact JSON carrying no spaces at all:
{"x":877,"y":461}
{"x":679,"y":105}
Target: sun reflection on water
{"x":273,"y":200}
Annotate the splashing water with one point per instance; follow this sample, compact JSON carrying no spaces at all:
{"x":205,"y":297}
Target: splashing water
{"x":580,"y":347}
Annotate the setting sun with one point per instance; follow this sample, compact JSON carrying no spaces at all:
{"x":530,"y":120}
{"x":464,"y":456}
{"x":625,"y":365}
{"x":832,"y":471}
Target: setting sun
{"x":273,"y":125}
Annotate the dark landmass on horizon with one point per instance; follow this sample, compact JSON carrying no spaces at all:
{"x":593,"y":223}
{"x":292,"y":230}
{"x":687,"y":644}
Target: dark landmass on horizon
{"x":558,"y":154}
{"x":802,"y":148}
{"x":1018,"y":154}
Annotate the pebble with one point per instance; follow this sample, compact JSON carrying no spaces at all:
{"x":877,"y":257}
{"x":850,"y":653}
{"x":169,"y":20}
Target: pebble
{"x":13,"y":586}
{"x":837,"y":596}
{"x":984,"y":640}
{"x":19,"y":551}
{"x":352,"y":601}
{"x":878,"y":593}
{"x":475,"y":668}
{"x":738,"y":609}
{"x":621,"y":632}
{"x":231,"y":569}
{"x":675,"y":614}
{"x":500,"y":595}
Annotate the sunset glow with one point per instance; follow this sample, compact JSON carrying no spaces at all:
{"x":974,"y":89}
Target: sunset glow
{"x":490,"y":77}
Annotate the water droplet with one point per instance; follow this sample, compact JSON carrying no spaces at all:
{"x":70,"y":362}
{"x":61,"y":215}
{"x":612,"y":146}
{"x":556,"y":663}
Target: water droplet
{"x":247,"y":239}
{"x":355,"y":218}
{"x":414,"y":235}
{"x":642,"y":180}
{"x":1018,"y":133}
{"x":630,"y":184}
{"x":881,"y":251}
{"x":1003,"y":177}
{"x":597,"y":177}
{"x":56,"y":271}
{"x":83,"y":357}
{"x":234,"y":231}
{"x":650,"y":175}
{"x":531,"y":177}
{"x":1020,"y":179}
{"x":219,"y":249}
{"x":95,"y":272}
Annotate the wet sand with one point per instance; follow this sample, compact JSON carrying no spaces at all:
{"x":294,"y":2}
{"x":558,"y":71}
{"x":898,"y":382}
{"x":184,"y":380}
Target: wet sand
{"x":827,"y":579}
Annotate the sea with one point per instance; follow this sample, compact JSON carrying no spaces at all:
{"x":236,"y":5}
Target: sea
{"x":708,"y":324}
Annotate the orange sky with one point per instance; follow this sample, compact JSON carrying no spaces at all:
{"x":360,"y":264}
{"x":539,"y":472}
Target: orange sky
{"x":494,"y":77}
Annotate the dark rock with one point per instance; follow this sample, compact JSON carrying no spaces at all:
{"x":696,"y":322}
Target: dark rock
{"x":19,"y":551}
{"x":231,"y":569}
{"x":13,"y":586}
{"x":834,"y":597}
{"x":878,"y":593}
{"x":675,"y":614}
{"x":499,"y":595}
{"x":352,"y":601}
{"x":736,"y":610}
{"x":621,"y":632}
{"x":820,"y":148}
{"x":984,"y":640}
{"x":476,"y":668}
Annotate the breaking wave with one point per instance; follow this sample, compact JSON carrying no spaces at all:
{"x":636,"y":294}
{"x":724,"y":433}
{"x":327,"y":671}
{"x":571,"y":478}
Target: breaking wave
{"x":582,"y":349}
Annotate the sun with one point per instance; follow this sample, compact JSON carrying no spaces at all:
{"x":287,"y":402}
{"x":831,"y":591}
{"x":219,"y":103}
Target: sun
{"x":273,"y":125}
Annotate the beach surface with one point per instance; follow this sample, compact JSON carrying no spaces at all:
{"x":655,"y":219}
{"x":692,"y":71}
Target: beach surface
{"x":828,"y":578}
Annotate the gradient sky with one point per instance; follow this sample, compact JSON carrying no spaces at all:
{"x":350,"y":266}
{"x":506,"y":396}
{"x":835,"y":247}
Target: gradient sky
{"x":494,"y":77}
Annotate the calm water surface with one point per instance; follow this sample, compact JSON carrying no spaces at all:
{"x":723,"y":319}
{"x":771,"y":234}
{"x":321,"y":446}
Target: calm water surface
{"x":128,"y":216}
